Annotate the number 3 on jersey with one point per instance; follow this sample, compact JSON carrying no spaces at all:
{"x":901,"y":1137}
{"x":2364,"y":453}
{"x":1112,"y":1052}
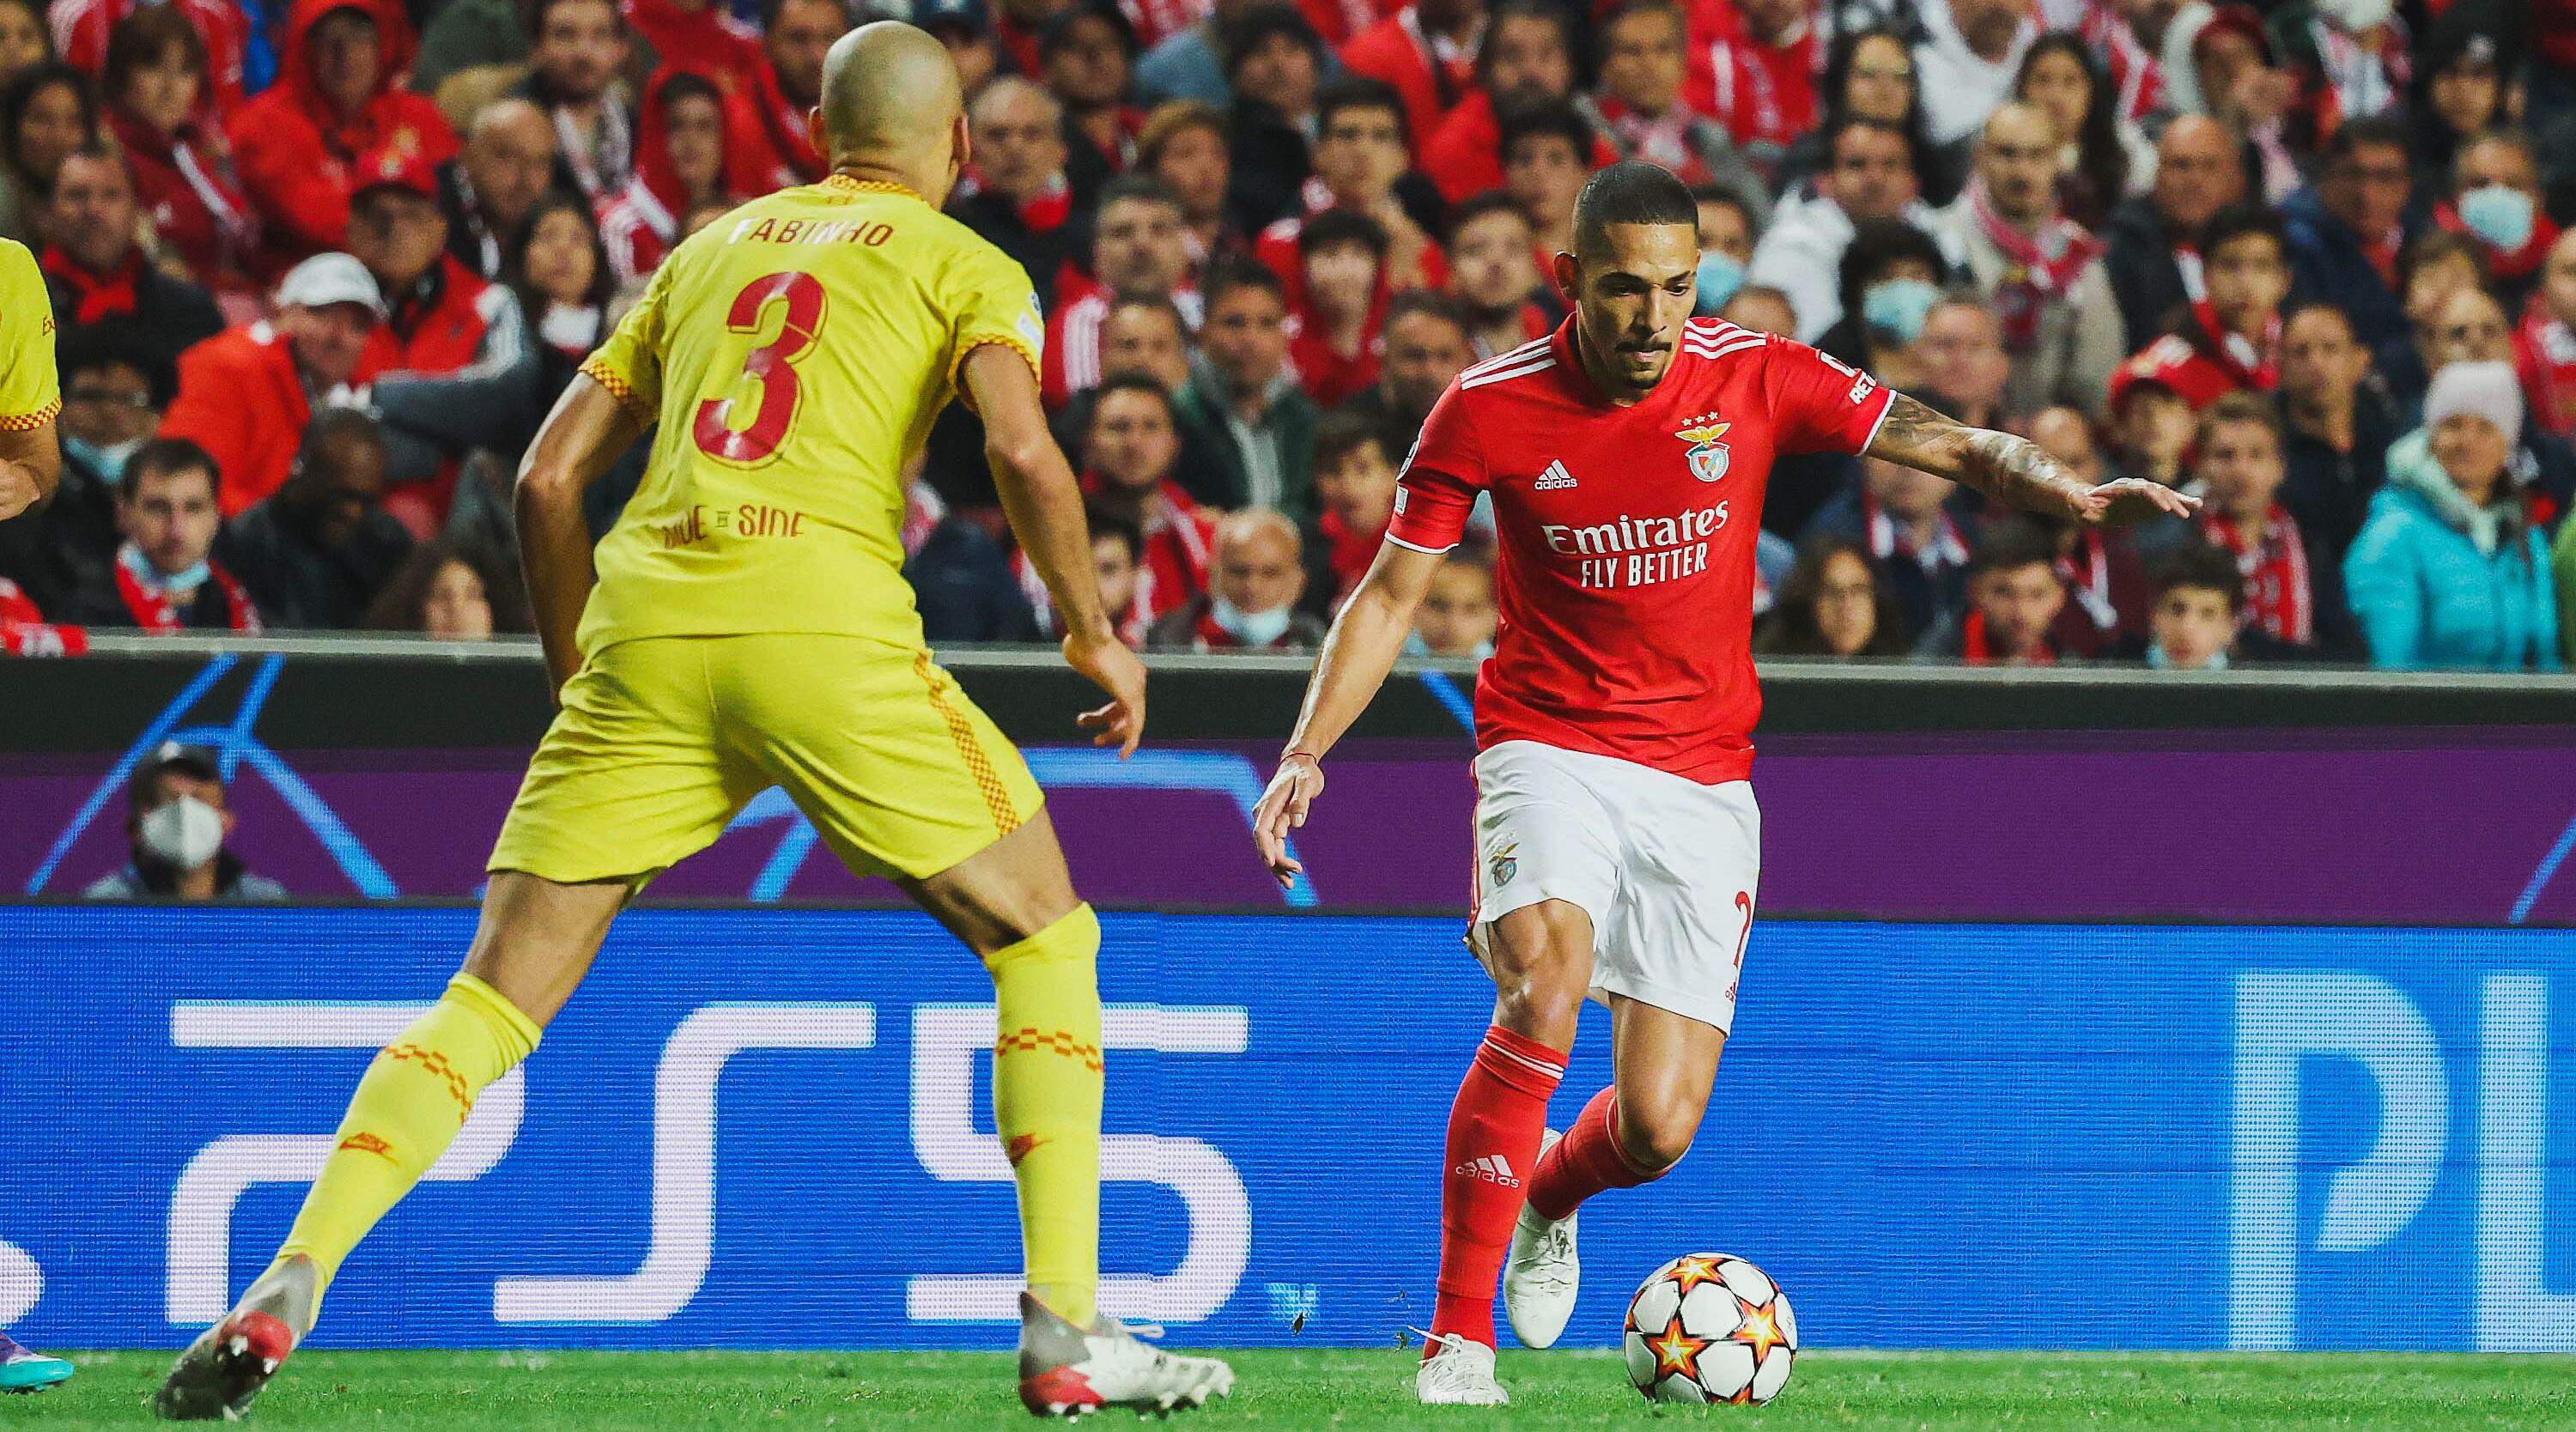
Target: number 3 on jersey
{"x":771,"y":365}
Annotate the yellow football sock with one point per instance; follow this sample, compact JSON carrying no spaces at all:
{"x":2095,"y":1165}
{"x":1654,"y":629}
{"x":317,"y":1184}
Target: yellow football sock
{"x":1046,"y":1104}
{"x":414,"y":1098}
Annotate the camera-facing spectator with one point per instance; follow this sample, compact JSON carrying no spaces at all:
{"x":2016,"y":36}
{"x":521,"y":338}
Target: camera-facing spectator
{"x":1118,"y":561}
{"x":1242,"y":405}
{"x":1527,"y":56}
{"x":1146,"y":334}
{"x":1906,"y":523}
{"x":1184,"y":145}
{"x":2449,"y":572}
{"x":2461,"y":91}
{"x":1458,"y":616}
{"x":246,"y":394}
{"x":47,"y":112}
{"x":1138,"y":250}
{"x":1891,"y":277}
{"x":1127,"y":457}
{"x":453,"y":591}
{"x":2199,"y":169}
{"x":1547,"y":157}
{"x":1360,"y":162}
{"x":1961,"y":354}
{"x":2151,"y":431}
{"x":2348,"y":228}
{"x":165,"y":579}
{"x":689,"y":145}
{"x":2495,"y":198}
{"x":1639,"y":111}
{"x":1835,"y":602}
{"x":439,"y":315}
{"x":1727,"y":229}
{"x":106,"y":298}
{"x":1083,"y":53}
{"x":2014,"y":599}
{"x":2337,"y":428}
{"x":1426,"y":346}
{"x":160,"y":110}
{"x":1761,"y":308}
{"x":2040,"y":270}
{"x":1251,"y":601}
{"x":178,"y":820}
{"x":775,"y":66}
{"x":2104,"y":160}
{"x":2198,"y":617}
{"x":2293,"y":590}
{"x":1017,"y":196}
{"x":1869,"y":174}
{"x":1341,"y":258}
{"x":1493,"y":270}
{"x":24,"y":38}
{"x":506,"y":164}
{"x":109,"y":410}
{"x":316,"y":554}
{"x":573,"y":67}
{"x":2545,"y":344}
{"x":1355,"y":490}
{"x":1274,"y":61}
{"x":2230,"y":340}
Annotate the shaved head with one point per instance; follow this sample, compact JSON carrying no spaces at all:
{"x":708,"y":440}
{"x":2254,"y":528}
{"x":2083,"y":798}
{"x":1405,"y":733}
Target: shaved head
{"x":892,"y":106}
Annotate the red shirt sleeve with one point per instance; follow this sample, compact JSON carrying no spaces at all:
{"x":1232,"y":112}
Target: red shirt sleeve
{"x":1441,"y":477}
{"x":1820,"y":403}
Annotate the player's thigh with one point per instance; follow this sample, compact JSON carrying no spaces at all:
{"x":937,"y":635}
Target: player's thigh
{"x":630,"y":776}
{"x":1691,"y":863}
{"x":901,"y":774}
{"x":1547,"y":878}
{"x":1664,"y":1065}
{"x":536,"y":938}
{"x":1004,"y":893}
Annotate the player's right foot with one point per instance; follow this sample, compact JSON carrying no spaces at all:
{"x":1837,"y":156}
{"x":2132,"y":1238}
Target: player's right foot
{"x":23,"y":1370}
{"x":230,"y":1362}
{"x":1066,"y":1371}
{"x":1540,"y":1281}
{"x":1458,"y":1373}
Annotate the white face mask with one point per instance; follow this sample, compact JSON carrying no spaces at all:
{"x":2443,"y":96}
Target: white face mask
{"x":1250,"y":628}
{"x":186,"y":833}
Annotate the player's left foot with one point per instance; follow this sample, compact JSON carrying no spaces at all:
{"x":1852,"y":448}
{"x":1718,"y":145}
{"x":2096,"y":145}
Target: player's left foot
{"x":1066,"y":1371}
{"x":24,"y":1371}
{"x":1458,"y":1373}
{"x":228,"y":1364}
{"x":1540,"y":1281}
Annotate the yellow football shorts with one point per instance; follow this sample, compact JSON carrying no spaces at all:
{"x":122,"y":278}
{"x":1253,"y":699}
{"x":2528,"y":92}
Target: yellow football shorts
{"x":662,"y":739}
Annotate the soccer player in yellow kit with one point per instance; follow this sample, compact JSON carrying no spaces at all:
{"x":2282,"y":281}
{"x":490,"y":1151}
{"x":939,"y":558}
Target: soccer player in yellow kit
{"x":749,"y":626}
{"x":30,"y":394}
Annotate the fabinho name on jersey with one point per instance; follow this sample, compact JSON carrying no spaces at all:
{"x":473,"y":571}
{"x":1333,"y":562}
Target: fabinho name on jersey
{"x":1639,"y":551}
{"x":871,"y":232}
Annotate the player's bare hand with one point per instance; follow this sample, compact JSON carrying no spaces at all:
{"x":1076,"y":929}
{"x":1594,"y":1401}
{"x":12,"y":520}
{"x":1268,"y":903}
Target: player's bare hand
{"x":18,"y":489}
{"x":2132,"y":499}
{"x":1293,"y":788}
{"x":1109,"y":665}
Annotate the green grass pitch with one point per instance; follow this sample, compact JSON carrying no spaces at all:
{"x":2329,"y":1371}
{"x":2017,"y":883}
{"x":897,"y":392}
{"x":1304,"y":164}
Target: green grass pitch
{"x":930,"y":1392}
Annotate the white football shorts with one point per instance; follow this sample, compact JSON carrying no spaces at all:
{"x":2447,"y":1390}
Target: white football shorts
{"x":1666,"y":868}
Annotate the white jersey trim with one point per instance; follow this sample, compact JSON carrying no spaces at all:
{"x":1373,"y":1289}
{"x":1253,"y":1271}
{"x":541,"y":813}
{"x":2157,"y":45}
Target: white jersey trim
{"x":1883,"y":410}
{"x":1506,"y":374}
{"x":1418,"y":547}
{"x":1526,"y":350}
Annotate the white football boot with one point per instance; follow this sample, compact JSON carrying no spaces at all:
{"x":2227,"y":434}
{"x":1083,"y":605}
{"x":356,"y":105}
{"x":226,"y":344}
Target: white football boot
{"x":1459,"y":1374}
{"x":230,"y":1362}
{"x":1066,"y":1371}
{"x":1540,"y":1281}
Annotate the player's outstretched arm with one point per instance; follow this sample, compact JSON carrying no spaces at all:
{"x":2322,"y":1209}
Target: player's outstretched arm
{"x":1358,"y":653}
{"x":2015,"y":471}
{"x":585,"y":435}
{"x":1045,"y":507}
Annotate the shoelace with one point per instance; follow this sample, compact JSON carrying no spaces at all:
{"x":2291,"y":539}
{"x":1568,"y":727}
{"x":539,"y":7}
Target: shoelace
{"x":1560,"y":1251}
{"x":1452,"y":1339}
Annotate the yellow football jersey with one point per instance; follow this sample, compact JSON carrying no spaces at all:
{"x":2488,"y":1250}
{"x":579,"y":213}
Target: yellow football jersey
{"x":30,"y":393}
{"x":794,"y":354}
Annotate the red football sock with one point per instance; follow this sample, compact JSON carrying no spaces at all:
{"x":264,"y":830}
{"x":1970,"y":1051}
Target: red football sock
{"x":1587,"y":1160}
{"x":1494,"y":1130}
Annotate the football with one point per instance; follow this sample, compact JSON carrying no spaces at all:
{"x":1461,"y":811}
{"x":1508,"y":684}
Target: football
{"x":1710,"y":1327}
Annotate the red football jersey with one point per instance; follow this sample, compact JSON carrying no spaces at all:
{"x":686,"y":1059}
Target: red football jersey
{"x":1625,"y":573}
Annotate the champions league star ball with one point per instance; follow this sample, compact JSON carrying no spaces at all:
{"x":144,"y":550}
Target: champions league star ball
{"x":1710,"y":1327}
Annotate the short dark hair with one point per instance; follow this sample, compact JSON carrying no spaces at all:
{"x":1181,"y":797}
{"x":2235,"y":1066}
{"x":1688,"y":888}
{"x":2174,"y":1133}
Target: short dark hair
{"x":2009,"y":543}
{"x":1449,"y":308}
{"x":2371,"y":130}
{"x":539,"y":9}
{"x":2203,"y":565}
{"x":1262,"y":22}
{"x":1630,"y":9}
{"x":1341,"y":226}
{"x":1341,"y":431}
{"x":1847,"y":122}
{"x":1553,"y":15}
{"x":769,"y":12}
{"x":1476,"y":206}
{"x":1128,"y":382}
{"x":2433,"y":246}
{"x":335,"y":425}
{"x":1105,"y":523}
{"x":1544,"y":117}
{"x":146,"y":35}
{"x":1227,"y":275}
{"x":169,"y":455}
{"x":1133,"y":187}
{"x":1156,"y":303}
{"x":145,"y":784}
{"x":1878,"y":245}
{"x":1631,"y":191}
{"x":2235,"y":221}
{"x":1057,"y":32}
{"x":1356,"y":92}
{"x":2242,"y":406}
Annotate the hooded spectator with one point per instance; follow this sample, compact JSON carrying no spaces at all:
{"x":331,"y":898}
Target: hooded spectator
{"x":1251,"y":601}
{"x":2040,"y":270}
{"x":2348,"y":228}
{"x":2014,"y":599}
{"x":161,"y":109}
{"x":2151,"y":238}
{"x":451,"y":591}
{"x":47,"y":113}
{"x":1243,"y":404}
{"x":2448,"y":572}
{"x":1017,"y":196}
{"x":2495,"y":198}
{"x":1834,"y":603}
{"x":164,"y":578}
{"x":1527,"y":56}
{"x":110,"y":407}
{"x":1361,"y":166}
{"x":2459,"y":93}
{"x":1427,"y":51}
{"x":332,"y":122}
{"x":579,"y":51}
{"x":2229,"y":340}
{"x":2337,"y":428}
{"x":691,"y":140}
{"x":179,"y":820}
{"x":774,"y":67}
{"x":1127,"y":457}
{"x":1869,"y":176}
{"x":107,"y":297}
{"x":317,"y":553}
{"x":1639,"y":112}
{"x":507,"y":162}
{"x":246,"y":394}
{"x":1137,"y":251}
{"x":1493,"y":270}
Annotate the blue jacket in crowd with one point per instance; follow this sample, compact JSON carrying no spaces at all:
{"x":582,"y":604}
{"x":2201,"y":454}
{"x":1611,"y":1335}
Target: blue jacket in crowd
{"x":2326,"y":262}
{"x":2435,"y":583}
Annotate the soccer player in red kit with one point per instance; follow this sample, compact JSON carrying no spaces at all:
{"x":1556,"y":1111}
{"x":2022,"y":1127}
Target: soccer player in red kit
{"x":1618,"y":842}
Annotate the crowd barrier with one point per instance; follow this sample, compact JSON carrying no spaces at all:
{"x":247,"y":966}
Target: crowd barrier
{"x":766,"y":1127}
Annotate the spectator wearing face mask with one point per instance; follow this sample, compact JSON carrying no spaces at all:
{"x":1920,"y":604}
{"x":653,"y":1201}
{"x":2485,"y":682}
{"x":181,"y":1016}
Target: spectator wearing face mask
{"x":109,"y":410}
{"x":1727,"y":230}
{"x":2495,"y":198}
{"x":316,"y":553}
{"x":1869,"y":175}
{"x":2014,"y":598}
{"x":179,"y":820}
{"x":164,"y":578}
{"x":1251,"y":601}
{"x":1891,"y":276}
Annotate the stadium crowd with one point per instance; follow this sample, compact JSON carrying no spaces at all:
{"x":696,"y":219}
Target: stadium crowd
{"x":318,"y":269}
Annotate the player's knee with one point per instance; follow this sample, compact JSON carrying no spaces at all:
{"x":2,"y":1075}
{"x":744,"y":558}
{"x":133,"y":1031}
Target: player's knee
{"x":1540,"y":997}
{"x":1656,"y":1130}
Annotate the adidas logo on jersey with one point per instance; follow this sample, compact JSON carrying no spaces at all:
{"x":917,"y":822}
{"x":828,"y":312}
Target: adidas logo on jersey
{"x":1554,"y":479}
{"x":1489,"y":1169}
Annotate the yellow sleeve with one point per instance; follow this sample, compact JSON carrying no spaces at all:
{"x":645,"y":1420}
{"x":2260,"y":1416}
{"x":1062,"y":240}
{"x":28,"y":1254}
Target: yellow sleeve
{"x":629,"y":364}
{"x":30,"y":393}
{"x":989,"y":300}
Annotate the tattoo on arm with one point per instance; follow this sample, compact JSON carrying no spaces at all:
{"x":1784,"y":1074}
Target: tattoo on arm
{"x":2011,"y":470}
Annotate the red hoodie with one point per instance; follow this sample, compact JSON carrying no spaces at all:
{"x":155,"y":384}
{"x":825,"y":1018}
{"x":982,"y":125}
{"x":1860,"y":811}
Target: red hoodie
{"x":187,"y":188}
{"x":711,"y":42}
{"x":300,"y":161}
{"x":81,"y":28}
{"x":642,"y":223}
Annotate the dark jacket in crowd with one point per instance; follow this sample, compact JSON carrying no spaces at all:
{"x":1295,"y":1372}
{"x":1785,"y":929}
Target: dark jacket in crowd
{"x":2328,"y":491}
{"x":299,"y":584}
{"x":2144,"y":277}
{"x":963,"y":583}
{"x":1043,"y":253}
{"x":148,"y":321}
{"x":1924,"y":599}
{"x":1271,"y":163}
{"x":2327,"y":263}
{"x":65,"y":547}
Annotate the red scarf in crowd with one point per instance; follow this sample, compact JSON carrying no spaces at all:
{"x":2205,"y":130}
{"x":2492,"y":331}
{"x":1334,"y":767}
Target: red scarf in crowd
{"x":1948,"y":548}
{"x":154,"y":612}
{"x":2038,"y":269}
{"x":2253,"y":365}
{"x":2086,"y":571}
{"x":1976,"y":650}
{"x":95,"y":298}
{"x":2278,"y":599}
{"x":2544,"y":350}
{"x":1664,"y":139}
{"x":2521,"y":263}
{"x":2133,"y":68}
{"x":25,"y":632}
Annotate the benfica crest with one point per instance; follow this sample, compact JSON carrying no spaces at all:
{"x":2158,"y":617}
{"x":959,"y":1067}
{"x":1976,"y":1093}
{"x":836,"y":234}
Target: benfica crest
{"x":1707,"y":455}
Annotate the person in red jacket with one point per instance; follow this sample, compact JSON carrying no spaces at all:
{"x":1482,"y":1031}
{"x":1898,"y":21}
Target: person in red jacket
{"x":1427,"y":50}
{"x":159,"y":108}
{"x":1753,"y":69}
{"x":1528,"y":55}
{"x":693,"y":145}
{"x":776,"y":70}
{"x":334,"y":118}
{"x":246,"y":394}
{"x":2232,"y":338}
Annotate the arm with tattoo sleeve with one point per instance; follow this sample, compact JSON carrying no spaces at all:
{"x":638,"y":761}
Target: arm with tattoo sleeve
{"x":2015,"y":471}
